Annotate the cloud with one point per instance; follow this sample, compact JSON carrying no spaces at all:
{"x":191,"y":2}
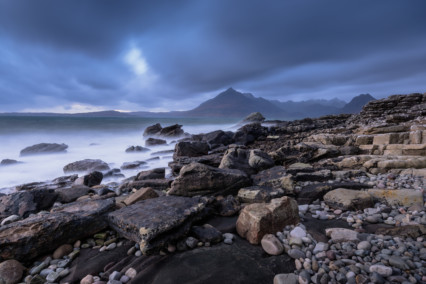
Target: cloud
{"x":143,"y":55}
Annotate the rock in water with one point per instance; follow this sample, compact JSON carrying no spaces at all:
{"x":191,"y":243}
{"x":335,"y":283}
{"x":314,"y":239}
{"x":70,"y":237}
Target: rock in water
{"x":44,"y":148}
{"x":155,"y":222}
{"x":171,"y":131}
{"x":199,"y":179}
{"x":8,"y":162}
{"x":94,"y":178}
{"x":259,"y":219}
{"x":11,"y":271}
{"x":152,"y":130}
{"x":157,"y":173}
{"x":86,"y":165}
{"x":40,"y":234}
{"x":253,"y":117}
{"x":154,"y":141}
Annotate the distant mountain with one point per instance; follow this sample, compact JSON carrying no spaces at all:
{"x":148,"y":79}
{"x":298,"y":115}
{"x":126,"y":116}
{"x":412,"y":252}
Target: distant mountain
{"x":234,"y":104}
{"x":231,"y":103}
{"x":356,"y":104}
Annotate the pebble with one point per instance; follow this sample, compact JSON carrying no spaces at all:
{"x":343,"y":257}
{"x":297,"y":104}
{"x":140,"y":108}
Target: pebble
{"x":381,"y":269}
{"x":10,"y":219}
{"x":296,"y":253}
{"x":271,"y":245}
{"x":289,"y":278}
{"x":111,"y":246}
{"x":364,"y":245}
{"x":298,"y":232}
{"x":191,"y":242}
{"x":88,"y":279}
{"x":320,"y":247}
{"x":131,"y":273}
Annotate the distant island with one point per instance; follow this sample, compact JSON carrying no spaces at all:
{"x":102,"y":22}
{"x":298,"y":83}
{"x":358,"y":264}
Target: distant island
{"x":234,"y":104}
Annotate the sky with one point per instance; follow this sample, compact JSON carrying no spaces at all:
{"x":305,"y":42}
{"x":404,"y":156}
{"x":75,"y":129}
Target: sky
{"x":79,"y":56}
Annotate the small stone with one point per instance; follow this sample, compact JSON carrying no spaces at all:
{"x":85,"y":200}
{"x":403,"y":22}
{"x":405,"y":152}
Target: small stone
{"x":361,"y":279}
{"x":11,"y":271}
{"x":296,"y":241}
{"x":228,"y":236}
{"x":298,"y":264}
{"x":52,"y":277}
{"x":10,"y":219}
{"x":381,"y":269}
{"x":228,"y":241}
{"x":298,"y":232}
{"x":131,"y":273}
{"x":171,"y":248}
{"x":319,"y":247}
{"x":124,"y":279}
{"x":377,"y":278}
{"x":296,"y":253}
{"x":116,"y":275}
{"x":304,"y":277}
{"x":88,"y":279}
{"x":131,"y":251}
{"x":62,"y":251}
{"x":271,"y":245}
{"x":398,"y":262}
{"x":111,"y":246}
{"x":191,"y":242}
{"x":364,"y":245}
{"x":289,"y":278}
{"x":77,"y":244}
{"x":138,"y":253}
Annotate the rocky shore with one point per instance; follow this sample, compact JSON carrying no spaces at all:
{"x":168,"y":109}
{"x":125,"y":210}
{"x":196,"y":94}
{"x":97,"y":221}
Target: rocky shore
{"x":338,"y":199}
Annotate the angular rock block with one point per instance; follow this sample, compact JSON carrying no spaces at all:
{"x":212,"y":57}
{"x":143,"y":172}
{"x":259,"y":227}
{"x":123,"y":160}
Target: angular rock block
{"x":347,"y":199}
{"x":155,"y":222}
{"x":35,"y":236}
{"x":259,"y":219}
{"x":401,"y":197}
{"x":200,"y":179}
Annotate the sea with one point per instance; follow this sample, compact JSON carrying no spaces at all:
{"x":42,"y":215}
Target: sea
{"x":104,"y":138}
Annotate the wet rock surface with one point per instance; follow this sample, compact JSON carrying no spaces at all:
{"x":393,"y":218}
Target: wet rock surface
{"x":44,"y":148}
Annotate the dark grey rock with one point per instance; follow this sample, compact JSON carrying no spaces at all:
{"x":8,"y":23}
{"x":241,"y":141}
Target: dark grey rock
{"x":92,"y":179}
{"x":152,"y":130}
{"x":155,"y":141}
{"x":87,"y":165}
{"x":133,"y":149}
{"x":44,"y":148}
{"x":191,"y":149}
{"x":158,"y":173}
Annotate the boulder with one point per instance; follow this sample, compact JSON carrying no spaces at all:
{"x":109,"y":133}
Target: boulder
{"x":157,"y":173}
{"x":133,"y":149}
{"x":40,"y":234}
{"x":249,"y":133}
{"x":87,"y":165}
{"x":313,"y":192}
{"x":92,"y":179}
{"x":11,"y":271}
{"x":275,"y":178}
{"x":53,"y":184}
{"x":206,"y":233}
{"x":347,"y":199}
{"x":171,"y":131}
{"x":191,"y":149}
{"x":156,"y":184}
{"x":44,"y":148}
{"x":140,"y":194}
{"x":26,"y":202}
{"x":155,"y":222}
{"x":216,"y":138}
{"x":259,"y":219}
{"x":226,"y":207}
{"x":199,"y":179}
{"x":399,"y":197}
{"x":154,"y":142}
{"x":70,"y":194}
{"x":248,"y":161}
{"x":152,"y":130}
{"x":210,"y":160}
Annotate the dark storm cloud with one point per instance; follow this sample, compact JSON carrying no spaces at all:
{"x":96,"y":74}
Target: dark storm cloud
{"x":62,"y":52}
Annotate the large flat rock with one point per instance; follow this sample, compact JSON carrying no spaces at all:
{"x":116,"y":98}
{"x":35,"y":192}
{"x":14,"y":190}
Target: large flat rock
{"x":155,"y":222}
{"x":35,"y":236}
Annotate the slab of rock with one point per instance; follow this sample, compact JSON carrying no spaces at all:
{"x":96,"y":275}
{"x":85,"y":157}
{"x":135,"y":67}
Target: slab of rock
{"x":44,"y":148}
{"x":191,"y":149}
{"x":140,"y":194}
{"x":199,"y":179}
{"x":156,"y":184}
{"x":70,"y":194}
{"x":216,"y":138}
{"x":155,"y":222}
{"x":87,"y":165}
{"x":42,"y":233}
{"x":132,"y":165}
{"x":411,"y":231}
{"x":56,"y":183}
{"x":257,"y":194}
{"x":157,"y":173}
{"x":154,"y":142}
{"x":210,"y":160}
{"x":400,"y":197}
{"x":259,"y":219}
{"x":348,"y":199}
{"x":276,"y":178}
{"x":171,"y":131}
{"x":26,"y":202}
{"x":313,"y":192}
{"x":11,"y":271}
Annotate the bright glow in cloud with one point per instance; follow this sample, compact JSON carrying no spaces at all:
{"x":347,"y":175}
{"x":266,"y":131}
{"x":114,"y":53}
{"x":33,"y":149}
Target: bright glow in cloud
{"x":136,"y":60}
{"x":73,"y":108}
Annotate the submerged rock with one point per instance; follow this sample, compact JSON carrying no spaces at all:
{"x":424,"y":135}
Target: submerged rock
{"x":86,"y":165}
{"x":154,"y":142}
{"x":8,"y":162}
{"x":44,"y":148}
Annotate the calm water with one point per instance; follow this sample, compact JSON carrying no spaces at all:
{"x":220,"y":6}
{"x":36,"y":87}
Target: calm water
{"x":104,"y":138}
